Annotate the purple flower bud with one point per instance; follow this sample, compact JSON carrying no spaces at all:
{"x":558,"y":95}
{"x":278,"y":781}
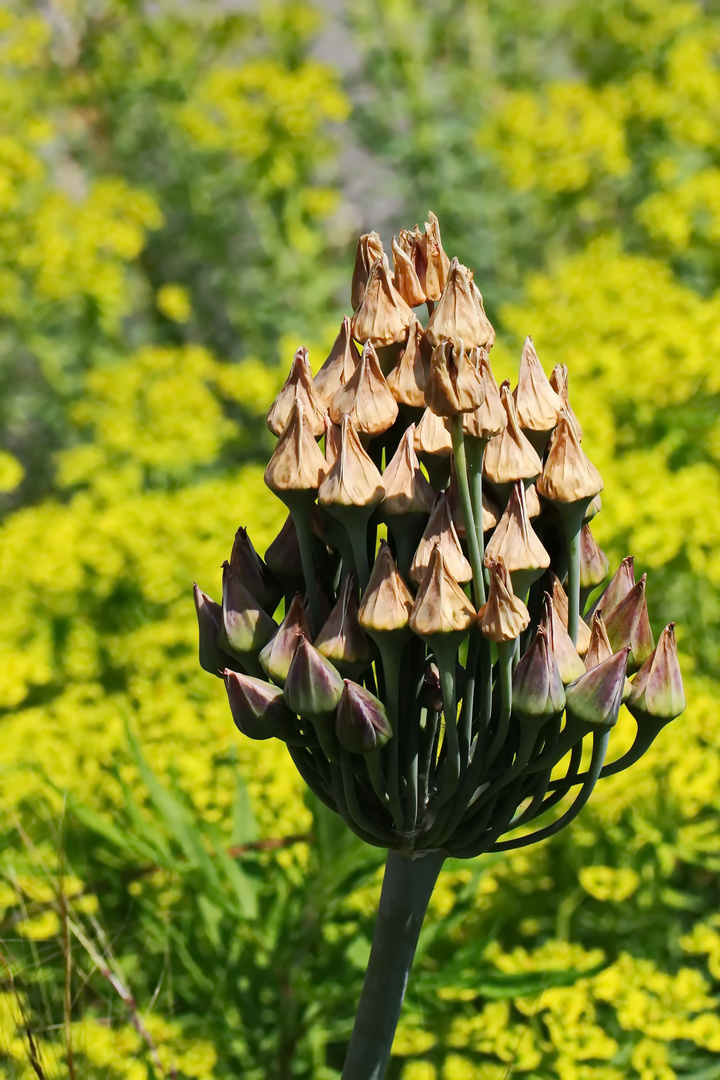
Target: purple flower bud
{"x":313,"y":687}
{"x":629,"y":624}
{"x":657,"y":689}
{"x":246,"y":626}
{"x":249,"y":568}
{"x":537,"y":689}
{"x":257,"y":707}
{"x":209,"y":617}
{"x":595,"y":697}
{"x":277,"y":655}
{"x":361,"y":722}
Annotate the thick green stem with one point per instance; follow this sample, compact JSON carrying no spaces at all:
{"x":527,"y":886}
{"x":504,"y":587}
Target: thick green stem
{"x":391,"y":661}
{"x":574,"y":587}
{"x":445,"y":656}
{"x":407,"y":888}
{"x":474,"y":549}
{"x":475,"y":450}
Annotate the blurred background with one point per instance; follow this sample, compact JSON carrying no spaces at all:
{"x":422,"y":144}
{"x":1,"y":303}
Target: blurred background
{"x":181,"y":189}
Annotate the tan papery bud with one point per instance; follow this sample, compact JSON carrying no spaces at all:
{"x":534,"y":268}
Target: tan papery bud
{"x":459,"y":315}
{"x":441,"y":607}
{"x":490,"y":418}
{"x":387,"y":601}
{"x":297,"y":464}
{"x":432,"y":435}
{"x":405,"y":277}
{"x":559,"y":382}
{"x":440,"y":532}
{"x":434,"y":264}
{"x":333,"y":437}
{"x":568,"y":474}
{"x":562,"y":609}
{"x":383,"y":316}
{"x":342,"y":640}
{"x":538,"y":406}
{"x":407,"y":379}
{"x":454,"y":384}
{"x":365,"y":398}
{"x":515,"y":540}
{"x":353,"y":479}
{"x":369,"y":250}
{"x":339,"y":366}
{"x":298,"y":386}
{"x":504,"y":616}
{"x":407,"y":491}
{"x":510,"y":456}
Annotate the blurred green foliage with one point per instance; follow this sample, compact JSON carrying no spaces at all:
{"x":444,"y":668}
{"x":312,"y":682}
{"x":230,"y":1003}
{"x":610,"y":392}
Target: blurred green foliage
{"x":170,"y":230}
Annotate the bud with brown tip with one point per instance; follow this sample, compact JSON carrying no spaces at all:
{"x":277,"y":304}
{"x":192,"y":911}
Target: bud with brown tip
{"x":459,"y":315}
{"x":297,"y":464}
{"x":408,"y":378}
{"x":441,"y":607}
{"x":453,"y":385}
{"x":298,"y":386}
{"x":504,"y":616}
{"x":405,"y":278}
{"x":275,"y":658}
{"x":313,"y":687}
{"x":369,"y":250}
{"x":257,"y":707}
{"x":440,"y":531}
{"x":657,"y":689}
{"x":340,"y":365}
{"x":365,"y":398}
{"x":600,"y":649}
{"x":619,"y":586}
{"x":342,"y":640}
{"x":383,"y":316}
{"x":629,"y":624}
{"x":361,"y":721}
{"x":538,"y":406}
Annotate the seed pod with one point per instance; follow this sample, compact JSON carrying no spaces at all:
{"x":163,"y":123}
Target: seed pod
{"x":440,"y":531}
{"x":559,"y":382}
{"x":538,"y":406}
{"x":313,"y":687}
{"x":432,"y":435}
{"x":594,"y":566}
{"x":276,"y":657}
{"x":365,"y":398}
{"x":595,"y":697}
{"x":405,"y":278}
{"x":209,"y":616}
{"x":383,"y":316}
{"x":490,"y":418}
{"x":246,"y":627}
{"x":339,"y":366}
{"x":342,"y":640}
{"x":369,"y":250}
{"x":353,"y":479}
{"x":657,"y":689}
{"x":250,"y":569}
{"x":569,"y":663}
{"x":517,"y":543}
{"x":297,"y":464}
{"x":629,"y":624}
{"x":568,"y":474}
{"x":406,"y":490}
{"x":408,"y":378}
{"x":441,"y":607}
{"x":453,"y":385}
{"x":298,"y":386}
{"x":537,"y":689}
{"x":459,"y":315}
{"x":510,"y":456}
{"x":257,"y":707}
{"x":433,"y":265}
{"x":387,"y":601}
{"x":504,"y":616}
{"x":361,"y":721}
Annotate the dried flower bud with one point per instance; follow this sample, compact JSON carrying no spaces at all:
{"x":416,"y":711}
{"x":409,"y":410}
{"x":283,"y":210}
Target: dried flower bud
{"x":459,"y":315}
{"x":387,"y":601}
{"x":595,"y":697}
{"x":594,"y":566}
{"x":276,"y":657}
{"x":313,"y":687}
{"x":298,"y":386}
{"x":629,"y":624}
{"x":297,"y":464}
{"x":657,"y":689}
{"x":440,"y":532}
{"x":562,"y":611}
{"x":405,"y":278}
{"x":407,"y":379}
{"x":432,"y":435}
{"x":257,"y":707}
{"x":406,"y":490}
{"x":249,"y":568}
{"x":510,"y":456}
{"x":491,"y":513}
{"x":504,"y":616}
{"x":569,"y":663}
{"x":383,"y":316}
{"x":361,"y":722}
{"x":532,"y":502}
{"x":433,"y":266}
{"x":339,"y":366}
{"x":538,"y":693}
{"x":369,"y":250}
{"x":365,"y":398}
{"x":246,"y":627}
{"x":490,"y":418}
{"x":342,"y":640}
{"x":333,"y":439}
{"x":209,"y":617}
{"x":453,"y":385}
{"x":353,"y":479}
{"x":538,"y":406}
{"x":568,"y":475}
{"x":559,"y":382}
{"x":516,"y":542}
{"x":441,"y":607}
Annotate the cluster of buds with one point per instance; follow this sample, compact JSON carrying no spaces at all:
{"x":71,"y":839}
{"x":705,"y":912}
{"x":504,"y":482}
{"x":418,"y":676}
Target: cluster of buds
{"x":425,"y":632}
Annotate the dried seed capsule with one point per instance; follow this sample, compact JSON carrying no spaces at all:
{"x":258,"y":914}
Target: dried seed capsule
{"x":432,"y":435}
{"x":365,"y":398}
{"x":406,"y":490}
{"x":408,"y":378}
{"x":504,"y":616}
{"x":387,"y":601}
{"x":339,"y":366}
{"x":353,"y":479}
{"x":568,"y":475}
{"x":487,"y":421}
{"x":297,"y":464}
{"x":298,"y":386}
{"x":453,"y":385}
{"x":258,"y":708}
{"x":432,"y":265}
{"x":440,"y":530}
{"x":510,"y":456}
{"x":441,"y":607}
{"x":383,"y":317}
{"x":657,"y":689}
{"x":459,"y":315}
{"x":559,"y":382}
{"x":595,"y":697}
{"x":369,"y":250}
{"x":276,"y":657}
{"x":313,"y":687}
{"x":405,"y":278}
{"x":361,"y":721}
{"x":342,"y":640}
{"x":517,"y":543}
{"x":538,"y":406}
